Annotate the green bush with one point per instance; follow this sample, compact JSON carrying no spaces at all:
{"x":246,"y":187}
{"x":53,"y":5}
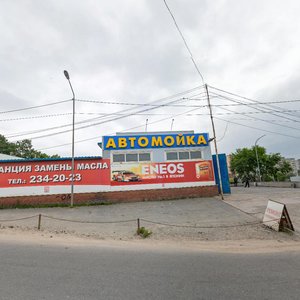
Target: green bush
{"x":143,"y":232}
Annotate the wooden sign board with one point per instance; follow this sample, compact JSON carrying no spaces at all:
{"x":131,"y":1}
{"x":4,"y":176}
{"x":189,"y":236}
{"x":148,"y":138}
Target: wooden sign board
{"x":276,"y":216}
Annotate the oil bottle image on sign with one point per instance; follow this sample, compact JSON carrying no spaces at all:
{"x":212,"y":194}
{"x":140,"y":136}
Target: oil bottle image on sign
{"x":203,"y":170}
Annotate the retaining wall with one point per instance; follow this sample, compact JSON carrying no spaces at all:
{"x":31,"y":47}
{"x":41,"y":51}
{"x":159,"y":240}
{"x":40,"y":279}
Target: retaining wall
{"x":279,"y":184}
{"x":113,"y":197}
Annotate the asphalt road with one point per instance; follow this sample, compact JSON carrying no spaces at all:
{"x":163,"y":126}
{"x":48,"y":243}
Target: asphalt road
{"x":36,"y":271}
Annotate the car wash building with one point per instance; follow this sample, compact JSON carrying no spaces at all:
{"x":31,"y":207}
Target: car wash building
{"x":137,"y":166}
{"x":159,"y":160}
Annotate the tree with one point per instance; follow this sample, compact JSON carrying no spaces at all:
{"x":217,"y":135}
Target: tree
{"x":272,"y":166}
{"x":5,"y":146}
{"x":21,"y":148}
{"x":24,"y":149}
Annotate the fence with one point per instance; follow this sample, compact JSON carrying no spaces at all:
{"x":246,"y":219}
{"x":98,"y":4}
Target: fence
{"x":137,"y":221}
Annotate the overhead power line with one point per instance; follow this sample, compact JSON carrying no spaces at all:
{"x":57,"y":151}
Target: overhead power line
{"x":33,"y":107}
{"x":160,"y":101}
{"x":184,"y":41}
{"x":138,"y":104}
{"x":247,"y":104}
{"x":133,"y":103}
{"x":258,"y":107}
{"x":268,"y":104}
{"x":265,"y":120}
{"x":260,"y":129}
{"x":98,"y":123}
{"x":153,"y":114}
{"x":35,"y":117}
{"x":14,"y":135}
{"x":154,"y":105}
{"x":131,"y":128}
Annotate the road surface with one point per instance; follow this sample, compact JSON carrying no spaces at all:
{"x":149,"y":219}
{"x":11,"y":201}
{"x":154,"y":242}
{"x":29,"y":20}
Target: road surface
{"x":67,"y":271}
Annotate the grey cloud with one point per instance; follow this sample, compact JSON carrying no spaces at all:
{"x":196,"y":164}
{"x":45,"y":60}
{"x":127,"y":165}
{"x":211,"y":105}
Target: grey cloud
{"x":131,"y":51}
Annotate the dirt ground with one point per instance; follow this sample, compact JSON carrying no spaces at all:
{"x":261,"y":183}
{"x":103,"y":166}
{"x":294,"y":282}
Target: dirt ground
{"x":19,"y":237}
{"x":206,"y":223}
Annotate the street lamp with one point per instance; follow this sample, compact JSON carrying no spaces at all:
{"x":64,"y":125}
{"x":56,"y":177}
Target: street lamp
{"x":255,"y":146}
{"x":73,"y":129}
{"x":172,"y":124}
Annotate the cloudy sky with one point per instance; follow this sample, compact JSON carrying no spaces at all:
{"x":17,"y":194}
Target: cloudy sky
{"x":121,"y":53}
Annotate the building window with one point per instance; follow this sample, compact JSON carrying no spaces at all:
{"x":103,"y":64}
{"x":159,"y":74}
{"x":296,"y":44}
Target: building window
{"x":172,"y":155}
{"x":184,"y":155}
{"x":131,"y":157}
{"x":144,"y":157}
{"x":118,"y":157}
{"x":195,"y":154}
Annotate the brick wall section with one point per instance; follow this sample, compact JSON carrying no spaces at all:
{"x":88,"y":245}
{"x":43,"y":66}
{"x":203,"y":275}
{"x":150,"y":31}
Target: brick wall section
{"x":113,"y":197}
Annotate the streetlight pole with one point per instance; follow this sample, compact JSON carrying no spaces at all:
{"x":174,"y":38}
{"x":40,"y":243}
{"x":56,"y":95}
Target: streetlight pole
{"x":172,"y":124}
{"x":73,"y":130}
{"x":146,"y":125}
{"x":255,"y":146}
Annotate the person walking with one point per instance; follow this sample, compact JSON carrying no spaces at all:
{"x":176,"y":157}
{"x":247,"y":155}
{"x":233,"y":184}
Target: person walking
{"x":247,"y":183}
{"x":235,"y":180}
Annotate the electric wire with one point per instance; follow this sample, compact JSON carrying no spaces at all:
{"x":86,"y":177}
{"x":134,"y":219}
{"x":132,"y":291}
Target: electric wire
{"x":103,"y":115}
{"x":165,"y":114}
{"x":125,"y":130}
{"x":237,"y":103}
{"x":77,"y":123}
{"x":101,"y":122}
{"x":35,"y":117}
{"x":126,"y":115}
{"x":256,"y":107}
{"x":185,"y":43}
{"x":132,"y":103}
{"x":162,"y":105}
{"x":97,"y":118}
{"x":33,"y":107}
{"x":264,"y":120}
{"x":141,"y":104}
{"x":246,"y":103}
{"x":255,"y":101}
{"x":260,"y":129}
{"x":225,"y":131}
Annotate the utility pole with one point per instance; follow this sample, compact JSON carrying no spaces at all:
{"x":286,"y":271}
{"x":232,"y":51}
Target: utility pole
{"x":258,"y":167}
{"x":215,"y":142}
{"x":146,"y":127}
{"x":73,"y":130}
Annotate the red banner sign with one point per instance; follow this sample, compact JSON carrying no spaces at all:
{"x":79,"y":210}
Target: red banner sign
{"x":146,"y":173}
{"x":55,"y":172}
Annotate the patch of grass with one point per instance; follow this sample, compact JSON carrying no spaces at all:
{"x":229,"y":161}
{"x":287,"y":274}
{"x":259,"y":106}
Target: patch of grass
{"x":143,"y":232}
{"x":49,"y":205}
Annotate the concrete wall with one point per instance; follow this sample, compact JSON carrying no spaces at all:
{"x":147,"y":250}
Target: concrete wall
{"x":279,"y":184}
{"x":113,"y":197}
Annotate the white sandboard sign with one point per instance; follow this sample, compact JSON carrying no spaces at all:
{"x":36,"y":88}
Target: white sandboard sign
{"x":276,"y":216}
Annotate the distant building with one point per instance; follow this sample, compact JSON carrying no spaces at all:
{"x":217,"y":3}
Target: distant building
{"x":228,"y":159}
{"x":298,"y":166}
{"x":294,"y":164}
